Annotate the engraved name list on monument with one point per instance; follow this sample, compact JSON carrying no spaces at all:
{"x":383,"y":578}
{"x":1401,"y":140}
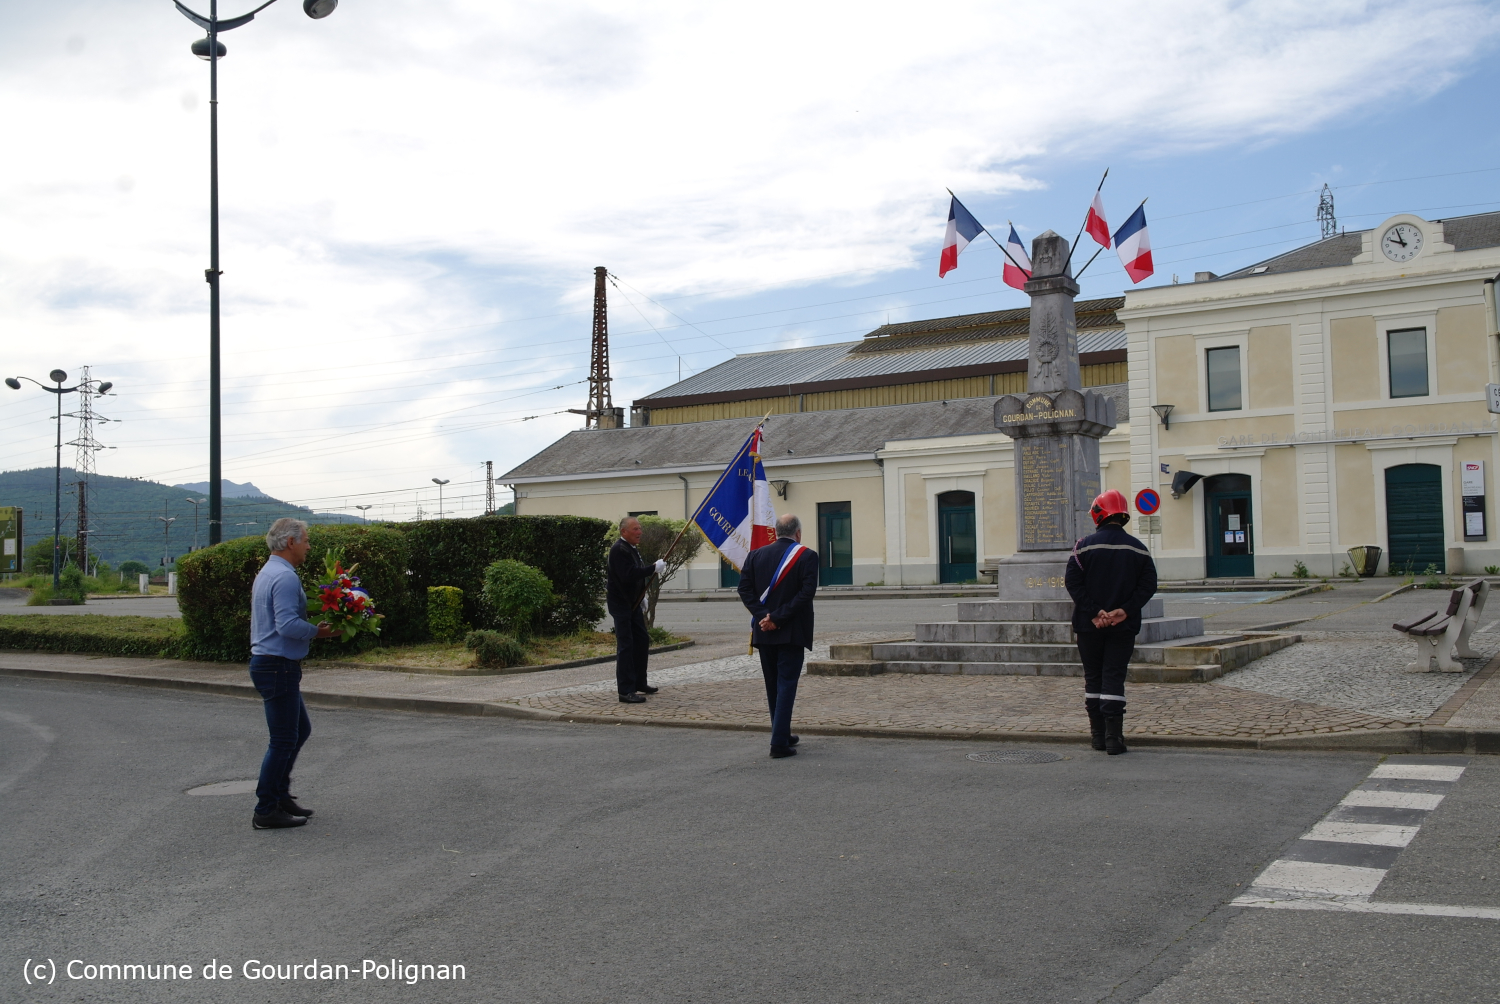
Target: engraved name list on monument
{"x":1044,"y":501}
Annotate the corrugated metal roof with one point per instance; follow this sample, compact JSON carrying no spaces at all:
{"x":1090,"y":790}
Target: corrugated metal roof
{"x":803,"y":435}
{"x":776,"y":368}
{"x":975,"y":327}
{"x":843,"y":361}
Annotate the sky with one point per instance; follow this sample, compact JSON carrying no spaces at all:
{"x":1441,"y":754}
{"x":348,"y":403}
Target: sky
{"x":414,"y":196}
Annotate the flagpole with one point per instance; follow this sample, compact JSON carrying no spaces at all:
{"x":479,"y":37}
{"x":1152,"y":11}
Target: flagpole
{"x":1074,"y":246}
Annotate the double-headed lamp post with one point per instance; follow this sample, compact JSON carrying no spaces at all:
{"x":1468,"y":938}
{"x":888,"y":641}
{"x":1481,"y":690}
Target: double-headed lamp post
{"x":196,"y":503}
{"x":60,"y":377}
{"x":211,"y":49}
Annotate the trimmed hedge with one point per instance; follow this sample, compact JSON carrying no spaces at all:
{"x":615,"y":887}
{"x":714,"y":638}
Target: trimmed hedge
{"x":569,"y":550}
{"x":213,"y":589}
{"x":397,"y":563}
{"x":445,"y":613}
{"x":94,"y":634}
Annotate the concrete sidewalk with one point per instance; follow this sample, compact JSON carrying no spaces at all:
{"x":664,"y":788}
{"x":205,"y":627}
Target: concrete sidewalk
{"x":726,"y":693}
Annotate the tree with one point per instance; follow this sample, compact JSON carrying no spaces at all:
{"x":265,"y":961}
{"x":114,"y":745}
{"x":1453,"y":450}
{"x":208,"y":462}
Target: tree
{"x":39,"y":555}
{"x":657,"y":534}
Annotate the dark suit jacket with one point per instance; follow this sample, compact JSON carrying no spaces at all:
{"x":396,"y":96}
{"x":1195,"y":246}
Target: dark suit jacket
{"x":790,"y":604}
{"x":628,"y":573}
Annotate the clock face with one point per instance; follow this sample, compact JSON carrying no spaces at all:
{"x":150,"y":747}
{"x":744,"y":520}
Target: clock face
{"x":1401,"y":242}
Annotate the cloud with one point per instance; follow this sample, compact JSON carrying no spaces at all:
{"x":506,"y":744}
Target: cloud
{"x":398,"y":174}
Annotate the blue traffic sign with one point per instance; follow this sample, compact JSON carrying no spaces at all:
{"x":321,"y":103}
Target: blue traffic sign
{"x":1147,"y":501}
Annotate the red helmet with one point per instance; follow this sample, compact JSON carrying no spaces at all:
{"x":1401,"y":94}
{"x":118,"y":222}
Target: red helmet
{"x":1110,"y":503}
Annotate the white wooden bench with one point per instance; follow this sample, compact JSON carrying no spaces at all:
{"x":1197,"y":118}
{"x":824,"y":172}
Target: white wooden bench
{"x":1443,"y":636}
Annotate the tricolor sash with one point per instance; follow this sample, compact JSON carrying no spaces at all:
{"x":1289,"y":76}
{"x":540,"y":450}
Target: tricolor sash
{"x":787,"y":561}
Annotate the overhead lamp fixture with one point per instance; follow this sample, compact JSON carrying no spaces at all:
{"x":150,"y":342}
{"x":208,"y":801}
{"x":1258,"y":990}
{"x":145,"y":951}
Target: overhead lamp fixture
{"x":200,"y":49}
{"x":1162,"y":411}
{"x":317,"y":9}
{"x":1182,"y":483}
{"x":781,"y":487}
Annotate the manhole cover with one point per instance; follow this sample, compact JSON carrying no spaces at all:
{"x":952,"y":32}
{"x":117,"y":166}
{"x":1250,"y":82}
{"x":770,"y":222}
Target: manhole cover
{"x":1016,"y":756}
{"x":225,"y":788}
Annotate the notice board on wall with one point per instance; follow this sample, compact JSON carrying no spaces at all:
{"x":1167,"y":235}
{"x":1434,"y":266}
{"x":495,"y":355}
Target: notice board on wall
{"x":1471,"y":483}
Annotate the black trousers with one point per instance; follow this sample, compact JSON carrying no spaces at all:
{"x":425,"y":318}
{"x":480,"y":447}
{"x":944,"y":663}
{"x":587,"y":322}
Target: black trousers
{"x":1106,"y":656}
{"x":632,"y":646}
{"x":781,"y":665}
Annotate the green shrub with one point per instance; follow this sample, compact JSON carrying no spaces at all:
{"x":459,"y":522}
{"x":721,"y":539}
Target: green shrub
{"x":660,"y":636}
{"x":95,"y":634}
{"x":41,"y":595}
{"x":1299,"y":571}
{"x":70,"y":584}
{"x":1492,"y":569}
{"x":213,"y":589}
{"x":518,"y":594}
{"x":569,"y":550}
{"x":38,"y":557}
{"x":445,"y":613}
{"x":133,"y":568}
{"x":494,"y":650}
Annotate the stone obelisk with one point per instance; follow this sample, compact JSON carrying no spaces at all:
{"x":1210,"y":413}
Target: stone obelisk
{"x":1056,"y":426}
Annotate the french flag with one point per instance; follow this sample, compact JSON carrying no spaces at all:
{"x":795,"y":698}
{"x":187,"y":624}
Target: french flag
{"x":962,"y":228}
{"x":1133,"y":245}
{"x":736,"y":517}
{"x":1017,"y":263}
{"x":1095,"y":225}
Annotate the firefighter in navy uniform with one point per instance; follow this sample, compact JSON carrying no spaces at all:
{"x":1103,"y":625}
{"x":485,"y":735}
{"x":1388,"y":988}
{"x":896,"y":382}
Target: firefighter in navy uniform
{"x":1111,"y":577}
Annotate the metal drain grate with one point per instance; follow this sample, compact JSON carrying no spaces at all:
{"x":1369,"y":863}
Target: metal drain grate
{"x":1017,"y":756}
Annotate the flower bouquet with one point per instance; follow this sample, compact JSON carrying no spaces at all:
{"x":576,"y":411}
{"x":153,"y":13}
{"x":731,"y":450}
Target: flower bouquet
{"x":347,"y":608}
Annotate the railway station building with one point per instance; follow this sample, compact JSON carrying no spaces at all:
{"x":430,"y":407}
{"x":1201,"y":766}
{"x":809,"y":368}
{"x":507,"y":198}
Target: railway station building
{"x":1329,"y":397}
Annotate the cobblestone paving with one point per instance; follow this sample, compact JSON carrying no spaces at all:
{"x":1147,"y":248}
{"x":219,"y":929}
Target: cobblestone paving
{"x":1347,"y":669}
{"x":967,"y":704}
{"x":734,"y":667}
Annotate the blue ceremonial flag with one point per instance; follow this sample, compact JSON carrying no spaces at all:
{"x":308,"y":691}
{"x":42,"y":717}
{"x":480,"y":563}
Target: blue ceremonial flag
{"x":737,"y":516}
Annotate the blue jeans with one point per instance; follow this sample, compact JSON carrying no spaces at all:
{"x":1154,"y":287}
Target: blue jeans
{"x":279,"y":682}
{"x":781,"y":665}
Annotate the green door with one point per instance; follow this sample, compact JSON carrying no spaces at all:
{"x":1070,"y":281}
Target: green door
{"x":835,"y":544}
{"x":957,"y":544}
{"x":1230,"y":549}
{"x":1414,"y":518}
{"x":728,"y":577}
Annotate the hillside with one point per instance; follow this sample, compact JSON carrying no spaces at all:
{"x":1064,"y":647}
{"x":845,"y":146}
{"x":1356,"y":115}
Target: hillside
{"x":124,"y":513}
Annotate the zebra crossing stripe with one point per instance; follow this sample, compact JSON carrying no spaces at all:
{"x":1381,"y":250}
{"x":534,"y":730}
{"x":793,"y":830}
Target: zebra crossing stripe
{"x":1340,"y":862}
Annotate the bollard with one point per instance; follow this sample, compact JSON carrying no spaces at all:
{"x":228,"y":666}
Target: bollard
{"x":145,"y":584}
{"x":171,"y":583}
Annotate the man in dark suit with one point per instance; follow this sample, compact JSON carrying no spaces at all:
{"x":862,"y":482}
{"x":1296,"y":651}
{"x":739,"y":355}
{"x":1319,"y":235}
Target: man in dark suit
{"x":624,"y":595}
{"x":777,"y":586}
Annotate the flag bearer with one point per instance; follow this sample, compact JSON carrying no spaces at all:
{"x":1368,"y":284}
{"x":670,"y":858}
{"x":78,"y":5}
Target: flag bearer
{"x":1111,"y":577}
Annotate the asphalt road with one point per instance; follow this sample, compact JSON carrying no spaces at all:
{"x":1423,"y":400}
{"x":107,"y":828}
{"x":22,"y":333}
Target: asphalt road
{"x":633,"y":864}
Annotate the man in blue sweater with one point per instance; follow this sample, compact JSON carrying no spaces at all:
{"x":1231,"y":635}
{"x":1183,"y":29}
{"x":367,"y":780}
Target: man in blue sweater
{"x":280,"y":635}
{"x":1111,"y":577}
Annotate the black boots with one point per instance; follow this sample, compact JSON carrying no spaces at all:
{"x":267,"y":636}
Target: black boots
{"x":1114,"y":740}
{"x":1096,"y":730}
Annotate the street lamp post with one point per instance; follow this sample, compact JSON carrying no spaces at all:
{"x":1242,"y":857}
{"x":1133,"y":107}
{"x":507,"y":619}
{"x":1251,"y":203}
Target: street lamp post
{"x":195,"y":503}
{"x":440,"y":482}
{"x":91,"y":386}
{"x":166,"y":537}
{"x":211,"y":49}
